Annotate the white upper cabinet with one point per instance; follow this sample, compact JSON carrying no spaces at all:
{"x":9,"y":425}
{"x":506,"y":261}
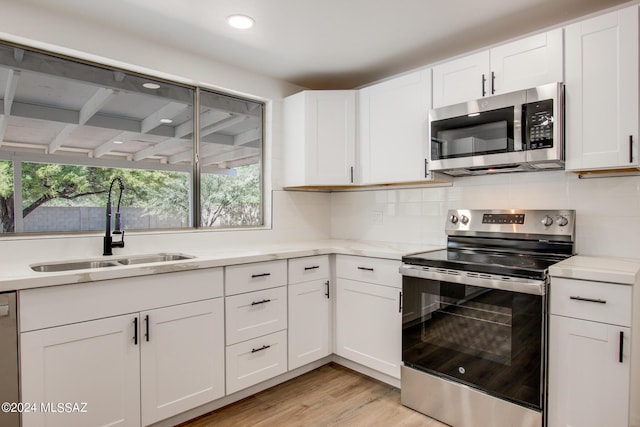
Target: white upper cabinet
{"x":393,"y":129}
{"x":461,"y":80}
{"x":522,"y":64}
{"x":320,"y":138}
{"x":601,"y":64}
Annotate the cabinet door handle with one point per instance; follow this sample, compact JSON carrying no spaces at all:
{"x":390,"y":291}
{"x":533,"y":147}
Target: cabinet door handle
{"x":313,"y":267}
{"x":264,"y":347}
{"x":264,"y":301}
{"x":630,"y":148}
{"x":621,"y":346}
{"x":365,"y":268}
{"x":493,"y":83}
{"x":146,"y":327}
{"x":135,"y":331}
{"x":352,"y":174}
{"x":400,"y":303}
{"x":484,"y":80}
{"x":426,"y":168}
{"x":253,"y":276}
{"x":327,"y":285}
{"x":599,"y":301}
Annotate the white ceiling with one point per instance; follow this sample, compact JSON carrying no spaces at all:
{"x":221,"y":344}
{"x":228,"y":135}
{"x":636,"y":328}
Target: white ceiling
{"x":323,"y":44}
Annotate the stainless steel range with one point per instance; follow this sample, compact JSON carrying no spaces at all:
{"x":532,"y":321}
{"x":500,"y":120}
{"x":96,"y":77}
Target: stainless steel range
{"x":474,"y":317}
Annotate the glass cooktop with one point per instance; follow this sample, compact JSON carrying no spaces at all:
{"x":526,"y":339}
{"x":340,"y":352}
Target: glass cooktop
{"x":490,"y":262}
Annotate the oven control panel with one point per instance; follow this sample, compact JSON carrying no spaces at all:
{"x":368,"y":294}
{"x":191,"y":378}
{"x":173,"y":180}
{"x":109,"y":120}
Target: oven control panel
{"x":560,"y":224}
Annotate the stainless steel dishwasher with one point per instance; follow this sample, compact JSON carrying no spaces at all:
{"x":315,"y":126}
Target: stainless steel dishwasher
{"x":9,"y":384}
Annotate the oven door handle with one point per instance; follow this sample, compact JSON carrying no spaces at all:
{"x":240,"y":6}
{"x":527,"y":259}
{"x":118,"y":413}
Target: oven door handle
{"x":514,"y":284}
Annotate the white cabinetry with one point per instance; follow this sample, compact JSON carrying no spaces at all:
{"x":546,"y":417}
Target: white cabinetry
{"x":320,"y":138}
{"x":94,"y":343}
{"x":368,"y":312}
{"x":309,"y":310}
{"x":256,"y":323}
{"x":589,"y":353}
{"x":95,"y":362}
{"x":522,"y":64}
{"x":393,"y":129}
{"x":601,"y":64}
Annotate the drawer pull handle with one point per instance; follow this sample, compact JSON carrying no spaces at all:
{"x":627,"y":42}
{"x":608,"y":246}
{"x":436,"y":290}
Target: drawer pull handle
{"x":365,"y":268}
{"x":253,"y":276}
{"x":621,"y":346}
{"x":314,"y":267}
{"x":264,"y":347}
{"x":260,"y":302}
{"x":599,"y":301}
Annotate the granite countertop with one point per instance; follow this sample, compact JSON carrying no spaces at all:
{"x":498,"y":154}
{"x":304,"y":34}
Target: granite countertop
{"x":21,"y":276}
{"x":600,"y":269}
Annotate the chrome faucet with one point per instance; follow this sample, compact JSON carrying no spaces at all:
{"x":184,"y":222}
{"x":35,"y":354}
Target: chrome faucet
{"x":117,"y":228}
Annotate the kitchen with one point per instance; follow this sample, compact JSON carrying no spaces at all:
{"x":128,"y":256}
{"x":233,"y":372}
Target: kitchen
{"x":407,"y":219}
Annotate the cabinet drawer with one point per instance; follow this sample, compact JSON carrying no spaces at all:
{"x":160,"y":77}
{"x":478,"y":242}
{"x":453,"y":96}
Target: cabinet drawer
{"x":257,"y":360}
{"x":372,"y":270}
{"x":254,"y":314}
{"x":595,"y":301}
{"x":308,"y":268}
{"x":255,"y":276}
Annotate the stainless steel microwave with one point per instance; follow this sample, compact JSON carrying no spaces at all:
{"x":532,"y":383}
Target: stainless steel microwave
{"x":517,"y":131}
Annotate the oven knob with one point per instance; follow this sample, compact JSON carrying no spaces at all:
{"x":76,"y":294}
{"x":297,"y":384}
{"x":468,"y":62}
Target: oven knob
{"x":562,"y":221}
{"x":453,"y":219}
{"x":547,"y":221}
{"x":464,"y":220}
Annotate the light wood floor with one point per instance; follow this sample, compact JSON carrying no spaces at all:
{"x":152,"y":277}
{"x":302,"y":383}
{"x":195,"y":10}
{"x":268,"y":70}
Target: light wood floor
{"x":331,"y":395}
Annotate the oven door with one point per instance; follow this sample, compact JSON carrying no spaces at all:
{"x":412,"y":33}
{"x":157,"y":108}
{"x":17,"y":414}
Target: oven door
{"x":490,"y":339}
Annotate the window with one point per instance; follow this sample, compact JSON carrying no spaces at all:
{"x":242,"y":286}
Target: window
{"x":68,"y":128}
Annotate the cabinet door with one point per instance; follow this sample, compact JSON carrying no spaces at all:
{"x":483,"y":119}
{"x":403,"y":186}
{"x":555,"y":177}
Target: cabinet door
{"x":601,"y":66}
{"x":393,"y":129}
{"x":527,"y":63}
{"x":588,"y":385}
{"x":331,"y":137}
{"x":96,"y":362}
{"x":369,"y":325}
{"x":182,"y":354}
{"x":309,"y":322}
{"x":461,"y":80}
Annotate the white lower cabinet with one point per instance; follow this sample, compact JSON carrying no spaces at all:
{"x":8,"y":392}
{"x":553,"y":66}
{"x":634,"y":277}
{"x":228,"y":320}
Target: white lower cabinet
{"x":251,"y":362}
{"x":310,"y":311}
{"x":130,"y":369}
{"x":589,"y":354}
{"x":94,"y":362}
{"x":182,"y":358}
{"x":368,"y":315}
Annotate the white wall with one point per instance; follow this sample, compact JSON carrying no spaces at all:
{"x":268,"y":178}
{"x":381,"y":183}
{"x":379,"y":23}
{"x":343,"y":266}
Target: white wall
{"x":296,"y":216}
{"x":607,"y":209}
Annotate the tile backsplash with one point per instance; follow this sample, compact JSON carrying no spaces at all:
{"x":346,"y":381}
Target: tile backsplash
{"x":607,"y":209}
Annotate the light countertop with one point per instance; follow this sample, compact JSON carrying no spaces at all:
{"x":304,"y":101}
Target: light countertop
{"x":600,"y":269}
{"x":20,"y":276}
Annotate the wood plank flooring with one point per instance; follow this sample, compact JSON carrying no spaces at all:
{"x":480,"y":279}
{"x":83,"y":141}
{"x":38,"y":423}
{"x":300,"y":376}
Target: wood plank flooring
{"x":331,"y":395}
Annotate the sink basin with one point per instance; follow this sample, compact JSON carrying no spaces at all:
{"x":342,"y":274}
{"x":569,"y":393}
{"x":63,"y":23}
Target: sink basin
{"x":102,"y":263}
{"x":145,"y":259}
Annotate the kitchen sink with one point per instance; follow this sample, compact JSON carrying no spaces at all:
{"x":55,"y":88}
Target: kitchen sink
{"x":102,"y":263}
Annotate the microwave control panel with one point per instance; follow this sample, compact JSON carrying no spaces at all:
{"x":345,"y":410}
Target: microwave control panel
{"x":538,"y":131}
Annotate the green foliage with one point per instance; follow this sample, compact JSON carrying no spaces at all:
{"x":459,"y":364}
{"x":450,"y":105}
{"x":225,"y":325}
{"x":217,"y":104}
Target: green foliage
{"x":6,"y":179}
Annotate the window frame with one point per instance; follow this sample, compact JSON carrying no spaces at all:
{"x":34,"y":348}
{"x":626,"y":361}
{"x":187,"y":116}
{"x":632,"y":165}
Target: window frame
{"x":19,"y":157}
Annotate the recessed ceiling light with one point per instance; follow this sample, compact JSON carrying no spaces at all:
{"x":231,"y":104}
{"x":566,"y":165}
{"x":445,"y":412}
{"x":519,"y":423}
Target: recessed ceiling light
{"x":150,"y":85}
{"x":241,"y":22}
{"x":118,"y":142}
{"x":166,"y":121}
